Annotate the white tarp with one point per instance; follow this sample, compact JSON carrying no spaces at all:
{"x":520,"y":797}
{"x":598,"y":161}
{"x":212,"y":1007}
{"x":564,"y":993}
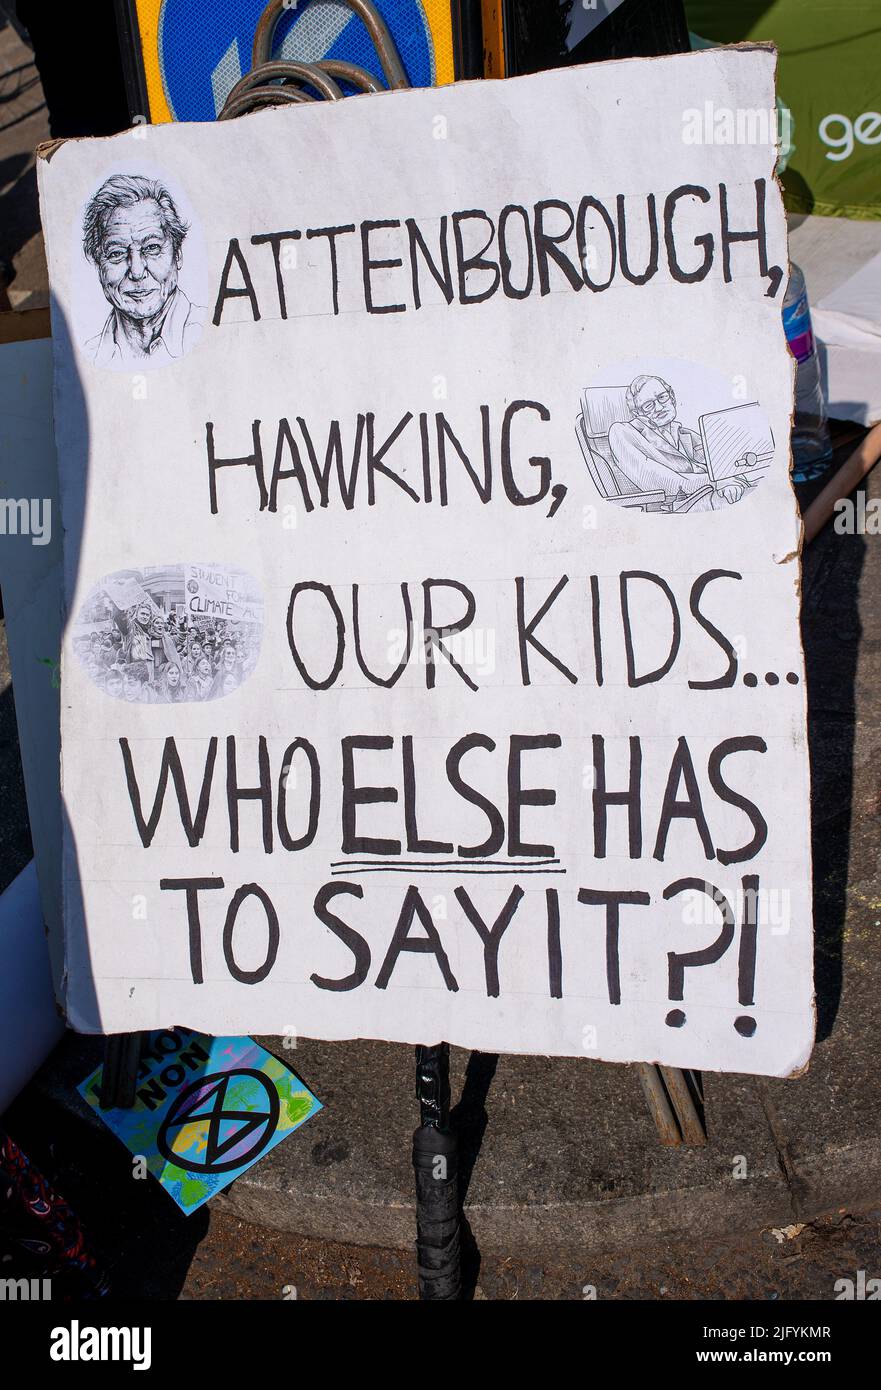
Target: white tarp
{"x":847,"y":321}
{"x":486,"y":387}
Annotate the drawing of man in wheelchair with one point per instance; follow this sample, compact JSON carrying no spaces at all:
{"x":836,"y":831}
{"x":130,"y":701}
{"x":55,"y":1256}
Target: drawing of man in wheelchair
{"x":639,"y":454}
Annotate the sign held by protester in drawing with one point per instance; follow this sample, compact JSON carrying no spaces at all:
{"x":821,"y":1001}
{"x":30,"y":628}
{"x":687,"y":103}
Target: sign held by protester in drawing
{"x":433,"y":666}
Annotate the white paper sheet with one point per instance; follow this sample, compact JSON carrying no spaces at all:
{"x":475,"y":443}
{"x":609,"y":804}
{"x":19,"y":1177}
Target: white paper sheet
{"x":412,"y":837}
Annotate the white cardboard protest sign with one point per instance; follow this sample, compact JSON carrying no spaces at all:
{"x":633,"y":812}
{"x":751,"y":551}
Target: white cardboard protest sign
{"x":474,"y":402}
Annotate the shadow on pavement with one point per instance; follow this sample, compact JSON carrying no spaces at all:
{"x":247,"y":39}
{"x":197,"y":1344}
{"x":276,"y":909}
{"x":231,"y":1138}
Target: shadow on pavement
{"x":469,"y":1119}
{"x":138,"y":1235}
{"x":831,"y":633}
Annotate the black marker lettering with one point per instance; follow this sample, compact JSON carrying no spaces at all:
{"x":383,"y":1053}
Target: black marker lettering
{"x":346,"y":934}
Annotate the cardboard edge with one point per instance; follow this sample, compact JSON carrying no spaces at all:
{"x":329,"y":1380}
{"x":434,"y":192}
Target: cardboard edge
{"x":47,"y":148}
{"x":802,"y":1065}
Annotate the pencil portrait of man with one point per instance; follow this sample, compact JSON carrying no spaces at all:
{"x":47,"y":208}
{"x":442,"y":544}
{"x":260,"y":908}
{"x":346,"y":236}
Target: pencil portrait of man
{"x":134,"y":236}
{"x":654,"y":450}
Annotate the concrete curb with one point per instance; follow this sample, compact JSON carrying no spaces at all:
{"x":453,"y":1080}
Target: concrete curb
{"x":562,"y":1152}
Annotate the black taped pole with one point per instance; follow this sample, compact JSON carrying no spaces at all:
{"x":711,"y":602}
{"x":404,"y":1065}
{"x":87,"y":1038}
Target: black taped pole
{"x":119,"y":1078}
{"x":435,"y":1163}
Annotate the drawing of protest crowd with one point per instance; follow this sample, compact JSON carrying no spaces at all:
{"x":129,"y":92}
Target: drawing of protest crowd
{"x":154,"y":637}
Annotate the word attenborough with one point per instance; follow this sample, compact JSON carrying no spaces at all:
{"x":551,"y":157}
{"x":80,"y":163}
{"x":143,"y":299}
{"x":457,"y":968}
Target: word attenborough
{"x":469,"y":256}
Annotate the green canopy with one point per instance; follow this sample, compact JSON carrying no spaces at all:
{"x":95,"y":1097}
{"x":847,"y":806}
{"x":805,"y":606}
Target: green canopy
{"x":828,"y":79}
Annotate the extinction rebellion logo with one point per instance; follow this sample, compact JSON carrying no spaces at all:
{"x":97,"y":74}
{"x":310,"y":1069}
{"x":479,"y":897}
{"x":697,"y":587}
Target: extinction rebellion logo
{"x":234,"y":1136}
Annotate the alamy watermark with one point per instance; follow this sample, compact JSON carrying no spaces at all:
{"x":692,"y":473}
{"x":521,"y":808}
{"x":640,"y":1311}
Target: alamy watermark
{"x":860,"y":516}
{"x":25,"y":1290}
{"x":724,"y":125}
{"x":27,"y":516}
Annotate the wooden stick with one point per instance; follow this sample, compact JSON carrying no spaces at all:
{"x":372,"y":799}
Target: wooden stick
{"x":848,"y":477}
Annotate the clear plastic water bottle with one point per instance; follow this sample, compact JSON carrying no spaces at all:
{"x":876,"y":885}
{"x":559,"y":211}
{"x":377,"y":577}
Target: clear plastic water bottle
{"x":811,"y":445}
